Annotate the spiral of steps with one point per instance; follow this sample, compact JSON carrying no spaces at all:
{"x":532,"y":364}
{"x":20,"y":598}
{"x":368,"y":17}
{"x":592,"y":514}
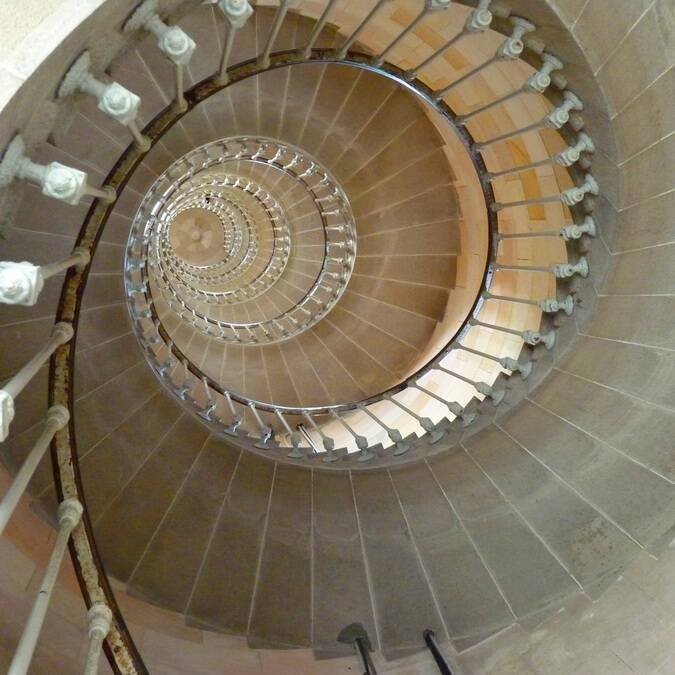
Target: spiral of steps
{"x":385,"y":318}
{"x":489,"y":526}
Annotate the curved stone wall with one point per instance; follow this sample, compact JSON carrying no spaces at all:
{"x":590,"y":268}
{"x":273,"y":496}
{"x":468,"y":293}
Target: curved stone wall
{"x":614,"y":387}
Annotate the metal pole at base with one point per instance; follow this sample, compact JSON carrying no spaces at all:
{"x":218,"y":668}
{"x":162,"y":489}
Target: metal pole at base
{"x":355,"y":634}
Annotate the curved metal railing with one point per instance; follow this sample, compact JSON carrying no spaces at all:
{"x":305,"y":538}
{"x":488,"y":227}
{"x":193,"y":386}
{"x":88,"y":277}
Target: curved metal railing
{"x":145,"y":264}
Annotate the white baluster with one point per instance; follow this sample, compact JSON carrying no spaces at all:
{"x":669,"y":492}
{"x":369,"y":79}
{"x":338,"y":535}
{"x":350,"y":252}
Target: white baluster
{"x":172,"y":41}
{"x":548,"y":305}
{"x":56,"y":180}
{"x":525,"y":369}
{"x":236,"y":13}
{"x":561,"y":271}
{"x":113,"y":99}
{"x":435,"y":433}
{"x":576,"y":194}
{"x":57,"y":418}
{"x":328,"y":443}
{"x":566,"y":158}
{"x":394,"y":434}
{"x":264,"y":57}
{"x":455,"y":408}
{"x":318,"y":27}
{"x":266,"y":432}
{"x":99,"y":618}
{"x":68,"y":514}
{"x":294,"y":436}
{"x":509,"y":50}
{"x":532,"y":337}
{"x":569,"y":197}
{"x":496,"y":395}
{"x":567,"y":270}
{"x":21,"y":283}
{"x":61,"y":333}
{"x":236,"y":420}
{"x":429,"y":6}
{"x":342,"y":51}
{"x":556,"y":119}
{"x":588,"y":227}
{"x":572,"y":154}
{"x":479,"y":21}
{"x":361,"y":441}
{"x":538,"y":82}
{"x":209,"y":412}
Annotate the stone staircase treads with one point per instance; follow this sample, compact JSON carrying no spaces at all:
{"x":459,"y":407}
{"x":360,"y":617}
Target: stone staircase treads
{"x":551,"y":500}
{"x":167,"y":571}
{"x":393,"y":564}
{"x":529,"y":576}
{"x":233,"y":551}
{"x":112,"y":462}
{"x":471,"y":603}
{"x":283,"y":587}
{"x":140,"y":507}
{"x":581,"y":538}
{"x":341,"y":595}
{"x":638,"y":500}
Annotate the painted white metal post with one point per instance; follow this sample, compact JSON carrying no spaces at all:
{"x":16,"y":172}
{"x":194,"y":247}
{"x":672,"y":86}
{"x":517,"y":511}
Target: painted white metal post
{"x":236,"y":13}
{"x":99,"y":618}
{"x":172,"y":41}
{"x":346,"y":45}
{"x":264,"y":56}
{"x":61,"y":333}
{"x":318,"y":27}
{"x":509,"y":50}
{"x":116,"y":101}
{"x":56,"y":180}
{"x":538,"y":82}
{"x":478,"y":21}
{"x":556,"y":119}
{"x":69,"y":514}
{"x":21,"y":283}
{"x":57,"y":418}
{"x":429,"y":6}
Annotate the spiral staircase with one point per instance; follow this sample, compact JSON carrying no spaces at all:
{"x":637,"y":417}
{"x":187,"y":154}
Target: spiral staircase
{"x":338,"y":354}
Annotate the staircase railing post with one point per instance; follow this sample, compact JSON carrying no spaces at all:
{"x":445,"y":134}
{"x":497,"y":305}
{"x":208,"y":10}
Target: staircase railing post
{"x":57,"y":418}
{"x":99,"y":618}
{"x":22,"y":282}
{"x":69,"y":514}
{"x":61,"y":333}
{"x":430,"y":641}
{"x":236,"y":13}
{"x":56,"y":180}
{"x":355,"y":634}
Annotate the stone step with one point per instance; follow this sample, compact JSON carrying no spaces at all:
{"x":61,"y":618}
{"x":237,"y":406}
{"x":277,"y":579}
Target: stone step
{"x":283,"y":586}
{"x":470,"y":601}
{"x":582,"y":539}
{"x":167,"y":571}
{"x":529,"y":577}
{"x":233,"y":551}
{"x":638,"y":501}
{"x":138,"y":510}
{"x":341,"y":593}
{"x":393,"y":564}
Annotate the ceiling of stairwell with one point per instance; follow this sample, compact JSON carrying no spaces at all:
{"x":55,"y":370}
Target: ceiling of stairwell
{"x":399,"y":173}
